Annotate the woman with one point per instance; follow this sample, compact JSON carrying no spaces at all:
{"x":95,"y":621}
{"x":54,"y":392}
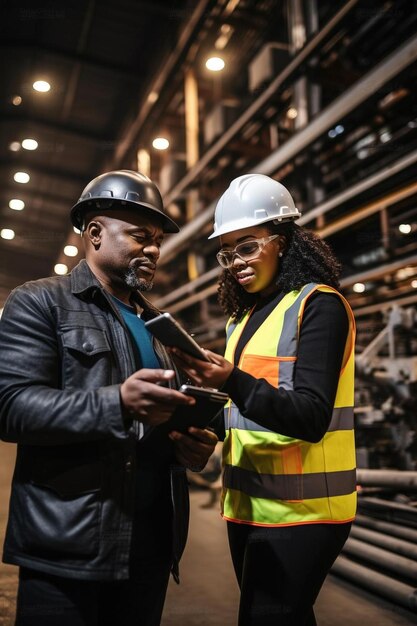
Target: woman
{"x":289,"y":492}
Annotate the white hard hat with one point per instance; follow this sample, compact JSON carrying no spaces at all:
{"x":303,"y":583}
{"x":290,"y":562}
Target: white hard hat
{"x":250,"y":200}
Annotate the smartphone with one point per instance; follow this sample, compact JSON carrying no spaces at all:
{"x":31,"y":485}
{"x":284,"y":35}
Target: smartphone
{"x":209,"y":402}
{"x":205,"y":393}
{"x":172,"y":334}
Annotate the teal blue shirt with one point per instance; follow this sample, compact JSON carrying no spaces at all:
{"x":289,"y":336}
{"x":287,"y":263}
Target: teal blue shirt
{"x":149,"y":480}
{"x":141,"y":336}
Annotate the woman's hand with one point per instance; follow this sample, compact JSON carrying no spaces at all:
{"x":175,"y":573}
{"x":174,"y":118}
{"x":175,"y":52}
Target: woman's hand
{"x":213,"y":374}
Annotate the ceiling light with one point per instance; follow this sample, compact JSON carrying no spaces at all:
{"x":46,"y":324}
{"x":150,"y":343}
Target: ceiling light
{"x":29,"y":144}
{"x":15,"y":146}
{"x":16,"y":100}
{"x":226,"y":32}
{"x":292,"y":113}
{"x":21,"y":177}
{"x":41,"y":85}
{"x":71,"y":250}
{"x":362,"y":154}
{"x":16,"y":204}
{"x":61,"y":269}
{"x":414,"y":284}
{"x":160,"y":143}
{"x":215,"y":64}
{"x":337,"y":130}
{"x":405,"y":272}
{"x":358,"y":287}
{"x":7,"y":233}
{"x":404,"y":228}
{"x":385,"y":136}
{"x":153,"y":96}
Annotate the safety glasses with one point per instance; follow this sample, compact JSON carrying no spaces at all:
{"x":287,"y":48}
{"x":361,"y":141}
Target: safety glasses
{"x":247,"y":250}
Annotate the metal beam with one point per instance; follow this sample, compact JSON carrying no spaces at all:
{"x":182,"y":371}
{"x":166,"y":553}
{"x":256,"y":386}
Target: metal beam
{"x":188,"y":288}
{"x":46,"y":171}
{"x":384,"y":306}
{"x":145,"y":109}
{"x":65,"y":128}
{"x":192,"y":296}
{"x":356,"y":94}
{"x":378,"y":272}
{"x":355,"y":190}
{"x":367,"y":210}
{"x":308,"y":51}
{"x":32,"y":196}
{"x":73,"y":57}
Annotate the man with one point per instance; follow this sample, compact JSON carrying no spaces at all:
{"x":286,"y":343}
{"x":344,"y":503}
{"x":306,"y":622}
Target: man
{"x":99,"y":504}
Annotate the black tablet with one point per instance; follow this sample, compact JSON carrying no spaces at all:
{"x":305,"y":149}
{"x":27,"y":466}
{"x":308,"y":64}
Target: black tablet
{"x":172,"y":334}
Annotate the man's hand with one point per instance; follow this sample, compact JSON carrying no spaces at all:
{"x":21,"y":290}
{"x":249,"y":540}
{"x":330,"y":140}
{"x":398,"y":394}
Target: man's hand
{"x":145,"y":398}
{"x":194,"y":452}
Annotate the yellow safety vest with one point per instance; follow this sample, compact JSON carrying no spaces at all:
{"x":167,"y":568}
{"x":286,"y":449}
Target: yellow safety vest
{"x":273,"y":480}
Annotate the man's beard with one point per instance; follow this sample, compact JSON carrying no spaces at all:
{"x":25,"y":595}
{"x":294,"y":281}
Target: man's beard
{"x":133,"y":282}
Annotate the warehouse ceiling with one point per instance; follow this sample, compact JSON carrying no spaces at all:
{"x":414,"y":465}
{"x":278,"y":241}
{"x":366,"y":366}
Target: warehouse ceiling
{"x":100,"y":58}
{"x":117,"y":74}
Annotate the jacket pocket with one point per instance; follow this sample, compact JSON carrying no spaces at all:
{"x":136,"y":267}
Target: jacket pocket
{"x":60,"y":526}
{"x":61,"y":508}
{"x":87,"y":358}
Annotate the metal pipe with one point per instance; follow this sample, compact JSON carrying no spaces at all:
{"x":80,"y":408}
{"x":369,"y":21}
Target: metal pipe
{"x":399,"y":546}
{"x":387,"y":478}
{"x":197,"y":297}
{"x":382,"y":558}
{"x":383,"y":306}
{"x":394,"y":590}
{"x":356,"y":94}
{"x":395,"y":530}
{"x":355,"y":190}
{"x":388,"y":510}
{"x":367,"y":210}
{"x":378,"y":272}
{"x":188,"y":288}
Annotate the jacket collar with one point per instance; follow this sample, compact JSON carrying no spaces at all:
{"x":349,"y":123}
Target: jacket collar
{"x":83,"y":281}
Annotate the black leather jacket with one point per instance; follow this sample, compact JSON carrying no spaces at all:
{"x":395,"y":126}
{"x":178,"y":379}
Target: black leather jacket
{"x":64,"y":352}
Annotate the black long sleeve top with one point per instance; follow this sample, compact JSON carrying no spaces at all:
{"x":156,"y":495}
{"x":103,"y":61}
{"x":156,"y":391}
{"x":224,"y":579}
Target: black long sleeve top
{"x":304,"y":412}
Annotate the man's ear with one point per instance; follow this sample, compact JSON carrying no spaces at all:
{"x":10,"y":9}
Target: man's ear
{"x":93,"y":233}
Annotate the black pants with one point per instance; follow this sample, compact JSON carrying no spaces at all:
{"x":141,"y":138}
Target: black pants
{"x":46,"y":600}
{"x":280,"y":571}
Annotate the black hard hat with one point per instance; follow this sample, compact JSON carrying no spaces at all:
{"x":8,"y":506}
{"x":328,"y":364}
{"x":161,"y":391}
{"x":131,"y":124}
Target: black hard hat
{"x":121,"y":189}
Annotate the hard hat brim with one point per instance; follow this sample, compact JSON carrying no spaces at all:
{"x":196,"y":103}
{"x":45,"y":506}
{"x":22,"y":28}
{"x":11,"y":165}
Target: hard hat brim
{"x":230,"y":227}
{"x":103,"y":204}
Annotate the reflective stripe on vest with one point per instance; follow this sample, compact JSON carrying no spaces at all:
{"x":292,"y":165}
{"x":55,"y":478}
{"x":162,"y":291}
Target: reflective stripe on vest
{"x":271,"y":479}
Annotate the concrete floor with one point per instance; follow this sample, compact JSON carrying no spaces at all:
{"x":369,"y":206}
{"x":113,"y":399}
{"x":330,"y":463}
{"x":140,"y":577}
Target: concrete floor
{"x":208,"y":594}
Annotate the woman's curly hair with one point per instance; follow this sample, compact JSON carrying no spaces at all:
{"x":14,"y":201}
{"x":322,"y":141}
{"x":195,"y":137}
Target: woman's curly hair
{"x":307,"y":259}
